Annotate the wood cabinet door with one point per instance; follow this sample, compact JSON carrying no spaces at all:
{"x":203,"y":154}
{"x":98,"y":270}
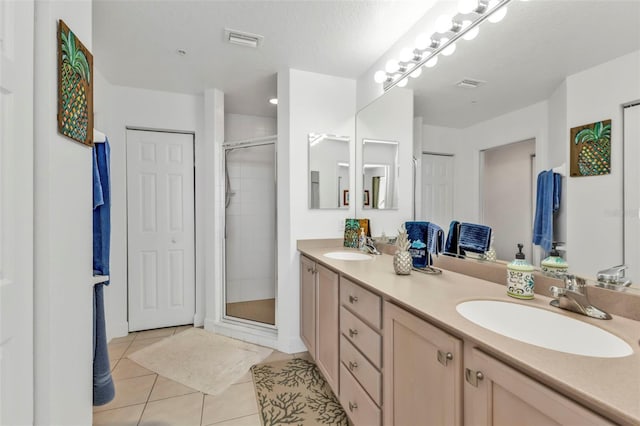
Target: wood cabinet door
{"x":422,"y":372}
{"x":308,"y":304}
{"x":327,"y":326}
{"x":496,"y":395}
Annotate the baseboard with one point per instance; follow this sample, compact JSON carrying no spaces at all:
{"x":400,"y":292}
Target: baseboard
{"x":120,"y":329}
{"x":255,"y":335}
{"x":293,"y":345}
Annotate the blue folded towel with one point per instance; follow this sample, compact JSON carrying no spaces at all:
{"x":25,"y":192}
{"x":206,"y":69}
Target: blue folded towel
{"x":435,"y":239}
{"x":548,"y":193}
{"x":451,"y":246}
{"x":474,"y":237}
{"x":417,"y":234}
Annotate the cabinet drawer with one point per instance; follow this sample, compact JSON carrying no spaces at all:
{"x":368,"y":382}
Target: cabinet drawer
{"x":364,"y":372}
{"x":366,"y":304}
{"x":361,"y":335}
{"x":359,"y":407}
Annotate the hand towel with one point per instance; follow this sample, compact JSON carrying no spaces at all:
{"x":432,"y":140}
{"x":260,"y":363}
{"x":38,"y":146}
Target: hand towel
{"x":435,"y":239}
{"x":548,"y":193}
{"x":417,"y":234}
{"x":474,"y":237}
{"x":451,"y":247}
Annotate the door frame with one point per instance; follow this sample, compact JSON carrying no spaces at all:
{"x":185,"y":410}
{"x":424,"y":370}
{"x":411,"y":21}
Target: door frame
{"x":196,"y":283}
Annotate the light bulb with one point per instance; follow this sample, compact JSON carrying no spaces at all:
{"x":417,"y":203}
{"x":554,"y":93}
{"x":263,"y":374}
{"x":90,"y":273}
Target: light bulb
{"x":380,"y":76}
{"x":392,"y":66}
{"x":467,"y":6}
{"x":423,"y":41}
{"x":443,"y":24}
{"x":406,"y":55}
{"x":416,"y":73}
{"x":403,"y":82}
{"x":448,"y":51}
{"x":498,"y":15}
{"x":431,"y":62}
{"x":472,"y":33}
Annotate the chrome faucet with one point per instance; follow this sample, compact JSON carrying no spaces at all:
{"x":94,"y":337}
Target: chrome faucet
{"x":573,"y":297}
{"x":613,"y":278}
{"x":370,"y":246}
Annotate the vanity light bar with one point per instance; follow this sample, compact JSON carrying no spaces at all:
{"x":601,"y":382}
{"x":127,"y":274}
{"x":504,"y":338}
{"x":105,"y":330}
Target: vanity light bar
{"x":397,"y":76}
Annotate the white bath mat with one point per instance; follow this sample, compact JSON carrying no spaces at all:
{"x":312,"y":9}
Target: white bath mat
{"x":200,"y":359}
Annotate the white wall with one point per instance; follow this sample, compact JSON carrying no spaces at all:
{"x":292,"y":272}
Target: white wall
{"x":307,"y":102}
{"x":63,"y":337}
{"x":116,"y":108}
{"x":389,"y":118}
{"x":238,"y":127}
{"x":594,"y":225}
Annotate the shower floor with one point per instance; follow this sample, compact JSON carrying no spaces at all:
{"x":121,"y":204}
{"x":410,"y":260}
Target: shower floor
{"x":254,"y":310}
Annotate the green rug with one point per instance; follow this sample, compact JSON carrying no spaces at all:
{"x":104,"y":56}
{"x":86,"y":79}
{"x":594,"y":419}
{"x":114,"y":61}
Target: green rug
{"x":293,"y":392}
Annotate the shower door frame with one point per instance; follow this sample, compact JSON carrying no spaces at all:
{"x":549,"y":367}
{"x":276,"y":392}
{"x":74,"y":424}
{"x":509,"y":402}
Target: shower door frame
{"x":228,"y":147}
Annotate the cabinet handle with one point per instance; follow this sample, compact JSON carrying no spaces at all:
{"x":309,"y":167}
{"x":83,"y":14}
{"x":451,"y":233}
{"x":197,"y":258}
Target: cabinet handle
{"x":444,"y":357}
{"x":353,"y":332}
{"x":353,"y":365}
{"x":353,"y":299}
{"x":352,"y":406}
{"x":473,"y":377}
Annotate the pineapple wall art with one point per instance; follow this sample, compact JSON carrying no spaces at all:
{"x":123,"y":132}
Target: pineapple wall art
{"x":591,"y":149}
{"x":75,"y":87}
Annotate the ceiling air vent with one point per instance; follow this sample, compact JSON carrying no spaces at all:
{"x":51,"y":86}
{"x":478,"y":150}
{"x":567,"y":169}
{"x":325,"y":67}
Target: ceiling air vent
{"x":242,"y":38}
{"x":470,"y":83}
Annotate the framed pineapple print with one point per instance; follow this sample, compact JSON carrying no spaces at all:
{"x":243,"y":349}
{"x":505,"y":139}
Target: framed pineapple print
{"x":75,"y":87}
{"x":591,"y":149}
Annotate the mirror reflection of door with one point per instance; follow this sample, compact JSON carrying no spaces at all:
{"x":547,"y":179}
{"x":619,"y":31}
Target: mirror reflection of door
{"x":507,"y":196}
{"x":437,"y":189}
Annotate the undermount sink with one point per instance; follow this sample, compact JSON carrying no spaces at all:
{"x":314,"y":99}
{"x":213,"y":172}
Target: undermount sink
{"x":544,"y":328}
{"x":347,"y":255}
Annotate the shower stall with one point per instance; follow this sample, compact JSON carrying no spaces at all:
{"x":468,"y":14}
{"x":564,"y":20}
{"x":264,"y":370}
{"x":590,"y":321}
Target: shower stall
{"x":250,"y":231}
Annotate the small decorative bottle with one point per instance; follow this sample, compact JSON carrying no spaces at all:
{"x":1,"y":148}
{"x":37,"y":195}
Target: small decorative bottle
{"x":362,"y":240}
{"x":554,"y":265}
{"x":520,"y":277}
{"x":402,"y":260}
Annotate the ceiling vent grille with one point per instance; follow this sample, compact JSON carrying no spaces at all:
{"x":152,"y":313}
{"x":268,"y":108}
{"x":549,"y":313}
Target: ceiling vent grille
{"x":242,"y":38}
{"x":470,"y":83}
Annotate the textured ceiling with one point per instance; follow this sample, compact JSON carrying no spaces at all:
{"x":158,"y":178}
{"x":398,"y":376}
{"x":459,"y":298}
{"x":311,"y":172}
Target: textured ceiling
{"x":135,"y":42}
{"x":525,"y":58}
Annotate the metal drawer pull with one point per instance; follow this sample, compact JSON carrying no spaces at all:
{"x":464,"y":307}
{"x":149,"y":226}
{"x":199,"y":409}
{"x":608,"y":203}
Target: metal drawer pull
{"x":444,"y":357}
{"x":353,"y":365}
{"x":473,"y":377}
{"x":353,"y":332}
{"x":352,"y":406}
{"x":353,"y":299}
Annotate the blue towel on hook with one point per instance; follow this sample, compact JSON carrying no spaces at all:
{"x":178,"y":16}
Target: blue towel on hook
{"x":435,"y":239}
{"x":103,"y":388}
{"x":451,"y":246}
{"x":548,"y":193}
{"x":417,"y":234}
{"x":474,"y":237}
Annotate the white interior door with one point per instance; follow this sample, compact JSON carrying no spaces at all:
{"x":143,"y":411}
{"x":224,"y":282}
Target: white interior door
{"x":437,"y":189}
{"x":16,"y":212}
{"x":632,"y":192}
{"x":160,"y":220}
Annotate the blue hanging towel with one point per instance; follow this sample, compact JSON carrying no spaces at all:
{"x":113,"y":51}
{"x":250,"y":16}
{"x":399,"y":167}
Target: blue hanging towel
{"x":451,"y":247}
{"x":435,"y":239}
{"x":103,"y":388}
{"x":474,"y":237}
{"x":417,"y":234}
{"x":548,"y":193}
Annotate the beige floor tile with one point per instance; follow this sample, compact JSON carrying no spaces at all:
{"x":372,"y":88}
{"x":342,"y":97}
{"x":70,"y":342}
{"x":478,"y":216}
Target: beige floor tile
{"x":130,"y":392}
{"x":136,"y":345}
{"x":182,"y":328}
{"x":126,"y":416}
{"x":277,"y":356}
{"x":237,"y":401}
{"x":127,"y":369}
{"x":303,"y":355}
{"x":253,"y":420}
{"x":117,"y":350}
{"x":246,"y":378}
{"x":151,"y":334}
{"x":183,"y":410}
{"x":167,"y":388}
{"x":127,"y":338}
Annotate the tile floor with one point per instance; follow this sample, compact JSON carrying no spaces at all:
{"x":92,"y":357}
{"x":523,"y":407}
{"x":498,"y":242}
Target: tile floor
{"x":146,"y":398}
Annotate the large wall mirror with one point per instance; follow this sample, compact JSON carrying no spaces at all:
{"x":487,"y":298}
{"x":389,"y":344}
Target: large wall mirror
{"x":546,"y":68}
{"x":329,"y":171}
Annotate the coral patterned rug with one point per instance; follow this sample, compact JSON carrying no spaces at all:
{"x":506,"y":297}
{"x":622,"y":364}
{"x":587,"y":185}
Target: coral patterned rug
{"x":294,"y":392}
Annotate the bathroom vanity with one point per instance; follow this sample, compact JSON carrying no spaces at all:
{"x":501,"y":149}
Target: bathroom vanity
{"x":396,"y":352}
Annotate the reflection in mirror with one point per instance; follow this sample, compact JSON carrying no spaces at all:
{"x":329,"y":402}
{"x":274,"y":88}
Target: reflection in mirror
{"x":380,"y":171}
{"x":329,"y":171}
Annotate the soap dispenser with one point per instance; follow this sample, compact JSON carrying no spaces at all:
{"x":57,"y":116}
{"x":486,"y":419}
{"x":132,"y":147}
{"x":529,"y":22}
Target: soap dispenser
{"x":554,"y":265}
{"x":520,"y":277}
{"x":362,"y":240}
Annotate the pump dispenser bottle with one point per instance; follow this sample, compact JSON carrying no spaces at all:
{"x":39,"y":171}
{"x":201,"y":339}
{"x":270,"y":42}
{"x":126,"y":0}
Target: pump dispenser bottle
{"x":520,"y":277}
{"x":554,"y":265}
